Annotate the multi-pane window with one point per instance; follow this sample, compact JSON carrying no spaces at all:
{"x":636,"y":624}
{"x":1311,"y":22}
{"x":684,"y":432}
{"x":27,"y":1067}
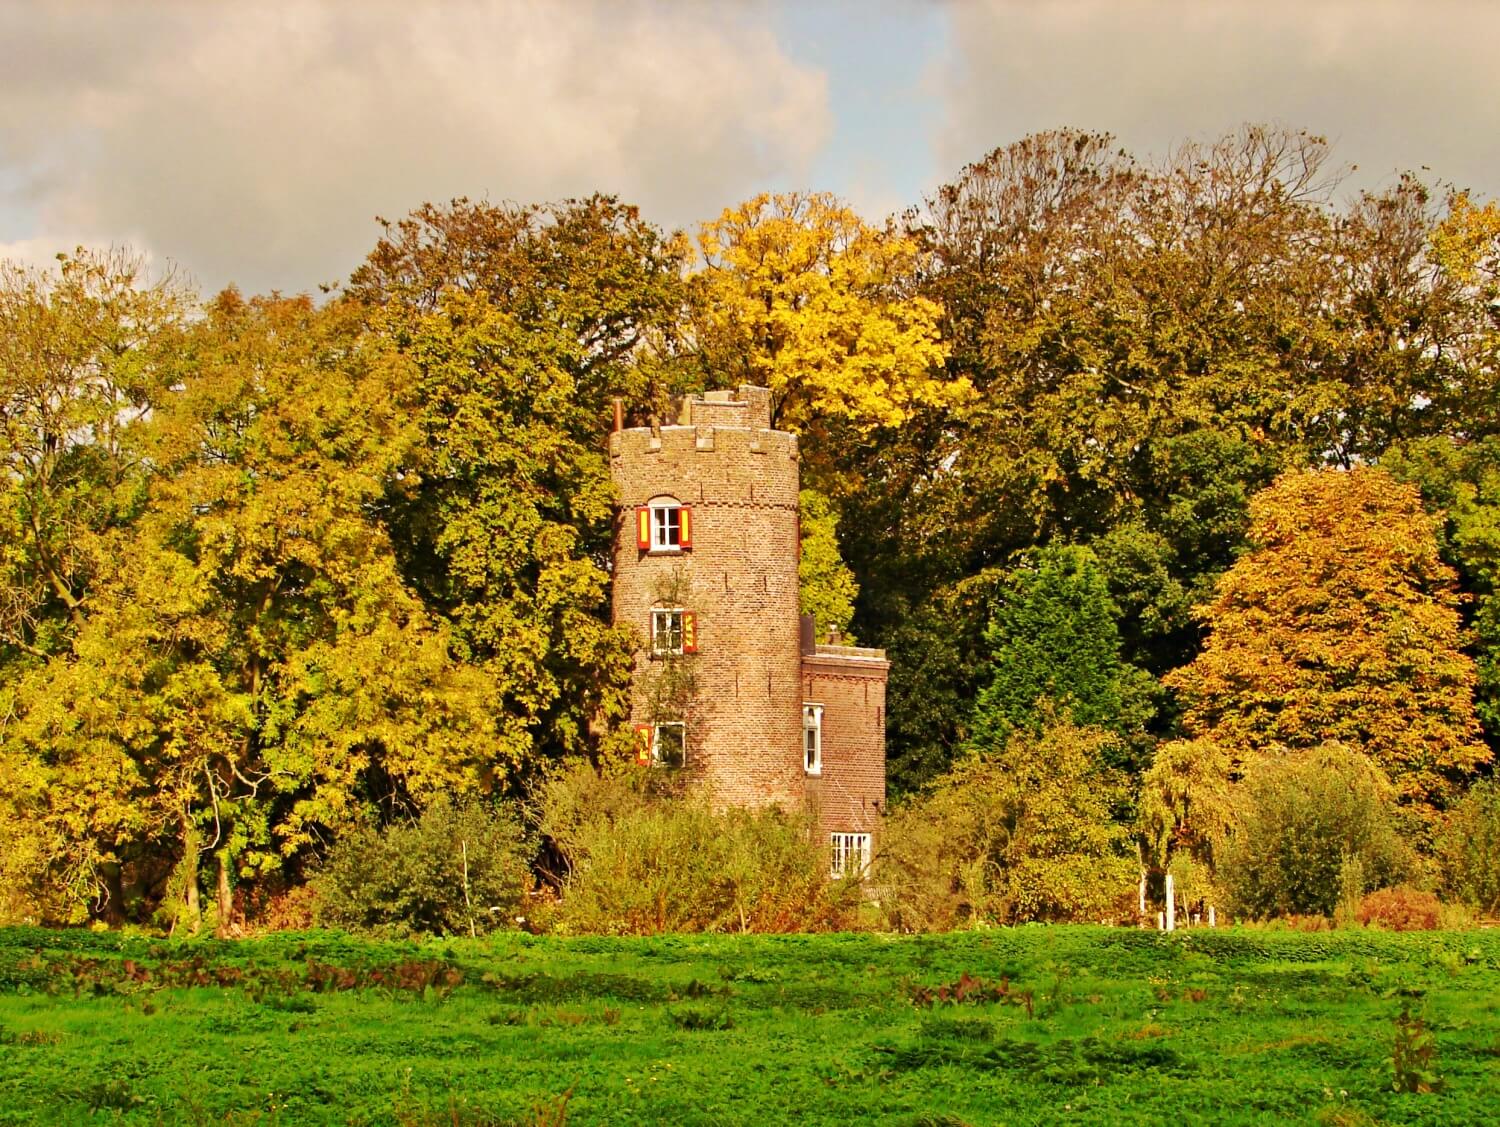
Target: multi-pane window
{"x":669,"y":744}
{"x":666,"y":527}
{"x":812,"y":738}
{"x":666,"y":631}
{"x":673,"y":631}
{"x":851,"y":855}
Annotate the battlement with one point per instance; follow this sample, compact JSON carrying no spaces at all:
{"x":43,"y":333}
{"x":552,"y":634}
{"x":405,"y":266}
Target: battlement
{"x":748,"y":408}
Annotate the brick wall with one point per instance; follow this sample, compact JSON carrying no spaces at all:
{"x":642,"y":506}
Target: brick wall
{"x":850,"y":685}
{"x":740,"y":579}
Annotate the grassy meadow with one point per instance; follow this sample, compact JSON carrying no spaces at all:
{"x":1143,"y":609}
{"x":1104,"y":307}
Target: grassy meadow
{"x":1026,"y":1025}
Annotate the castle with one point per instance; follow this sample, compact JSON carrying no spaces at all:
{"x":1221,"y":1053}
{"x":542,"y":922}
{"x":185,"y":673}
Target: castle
{"x":732,"y":687}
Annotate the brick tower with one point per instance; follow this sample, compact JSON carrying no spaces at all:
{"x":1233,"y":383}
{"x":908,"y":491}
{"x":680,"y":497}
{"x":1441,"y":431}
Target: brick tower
{"x":730,"y":686}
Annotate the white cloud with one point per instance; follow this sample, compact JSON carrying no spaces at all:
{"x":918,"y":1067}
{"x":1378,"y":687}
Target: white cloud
{"x":256,"y":142}
{"x":1393,"y":84}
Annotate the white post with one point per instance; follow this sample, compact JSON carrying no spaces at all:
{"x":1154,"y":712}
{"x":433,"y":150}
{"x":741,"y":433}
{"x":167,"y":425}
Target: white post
{"x":1211,"y":922}
{"x":1161,"y":921}
{"x":1171,"y":906}
{"x":1141,"y":893}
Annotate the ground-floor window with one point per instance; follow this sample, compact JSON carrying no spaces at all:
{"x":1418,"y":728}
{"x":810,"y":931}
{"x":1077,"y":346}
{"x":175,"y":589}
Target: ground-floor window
{"x":669,"y":744}
{"x":851,"y":854}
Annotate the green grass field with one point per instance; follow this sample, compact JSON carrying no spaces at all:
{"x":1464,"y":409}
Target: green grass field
{"x":1063,"y":1025}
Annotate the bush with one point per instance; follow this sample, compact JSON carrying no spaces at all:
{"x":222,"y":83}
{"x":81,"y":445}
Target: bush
{"x":458,"y":869}
{"x":1304,"y":822}
{"x":1468,"y":849}
{"x":1025,"y":834}
{"x":1400,"y":909}
{"x":641,"y":861}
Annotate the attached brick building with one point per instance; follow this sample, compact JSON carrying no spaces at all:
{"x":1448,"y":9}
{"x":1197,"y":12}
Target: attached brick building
{"x":732,"y":688}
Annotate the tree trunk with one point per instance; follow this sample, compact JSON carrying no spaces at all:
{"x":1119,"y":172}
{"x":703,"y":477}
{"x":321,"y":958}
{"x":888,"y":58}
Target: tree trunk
{"x":225,"y":895}
{"x":1171,"y":906}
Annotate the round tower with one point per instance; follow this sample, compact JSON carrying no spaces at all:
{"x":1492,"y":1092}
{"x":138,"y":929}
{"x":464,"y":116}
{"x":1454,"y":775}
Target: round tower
{"x":705,"y":569}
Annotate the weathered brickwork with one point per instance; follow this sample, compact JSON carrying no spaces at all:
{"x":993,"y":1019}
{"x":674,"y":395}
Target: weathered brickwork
{"x":850,"y":685}
{"x":739,"y":580}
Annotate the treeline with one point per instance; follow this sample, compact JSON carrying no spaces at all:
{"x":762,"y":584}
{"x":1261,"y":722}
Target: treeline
{"x":1177,"y":477}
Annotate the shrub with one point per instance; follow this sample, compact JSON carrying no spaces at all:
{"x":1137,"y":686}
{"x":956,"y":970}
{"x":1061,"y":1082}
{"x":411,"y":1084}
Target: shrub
{"x":642,"y":860}
{"x":1302,"y":822}
{"x":1468,"y":849}
{"x":1400,"y":909}
{"x":1027,"y":833}
{"x":458,"y":869}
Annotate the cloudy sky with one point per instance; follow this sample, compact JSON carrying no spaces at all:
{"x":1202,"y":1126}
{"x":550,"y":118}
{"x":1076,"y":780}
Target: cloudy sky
{"x":255,"y":142}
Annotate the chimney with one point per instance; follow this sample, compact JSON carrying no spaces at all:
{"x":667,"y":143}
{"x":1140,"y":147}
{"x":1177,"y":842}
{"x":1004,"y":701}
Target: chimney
{"x":619,"y":414}
{"x":809,"y":635}
{"x":833,"y":635}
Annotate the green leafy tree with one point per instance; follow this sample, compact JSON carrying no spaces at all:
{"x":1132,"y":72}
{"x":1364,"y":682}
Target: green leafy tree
{"x":827,"y":586}
{"x":1023,"y":832}
{"x":1053,"y":644}
{"x":515,"y":326}
{"x":1304,"y":821}
{"x":1468,"y":848}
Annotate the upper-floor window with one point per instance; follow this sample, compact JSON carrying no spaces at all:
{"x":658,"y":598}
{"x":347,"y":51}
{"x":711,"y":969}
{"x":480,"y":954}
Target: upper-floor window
{"x":812,"y":738}
{"x":673,"y":631}
{"x":851,"y":855}
{"x":664,"y":526}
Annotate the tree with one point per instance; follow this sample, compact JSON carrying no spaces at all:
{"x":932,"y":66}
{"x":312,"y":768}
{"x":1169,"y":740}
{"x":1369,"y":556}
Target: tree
{"x":1340,"y":625}
{"x":1053,"y":645}
{"x":1468,"y":848}
{"x":1025,"y":832}
{"x":798,"y":294}
{"x":827,"y":586}
{"x":515,"y":326}
{"x":1305,"y":824}
{"x":1186,"y":812}
{"x":85,"y":354}
{"x":251,"y":673}
{"x":1460,"y":484}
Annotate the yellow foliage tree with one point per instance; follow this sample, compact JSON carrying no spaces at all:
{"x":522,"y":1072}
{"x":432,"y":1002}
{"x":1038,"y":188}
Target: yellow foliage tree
{"x":800,"y":295}
{"x":1340,"y":626}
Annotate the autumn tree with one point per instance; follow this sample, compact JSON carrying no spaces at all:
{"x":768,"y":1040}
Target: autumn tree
{"x":514,"y":326}
{"x":800,"y":295}
{"x":1340,"y":626}
{"x":86,"y":351}
{"x":251,"y":672}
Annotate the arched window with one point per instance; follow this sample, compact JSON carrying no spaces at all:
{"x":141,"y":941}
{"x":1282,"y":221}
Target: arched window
{"x":664,"y":525}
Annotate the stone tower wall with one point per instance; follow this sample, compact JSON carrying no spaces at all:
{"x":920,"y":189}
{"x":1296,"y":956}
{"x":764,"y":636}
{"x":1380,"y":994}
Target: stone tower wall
{"x":739,"y":578}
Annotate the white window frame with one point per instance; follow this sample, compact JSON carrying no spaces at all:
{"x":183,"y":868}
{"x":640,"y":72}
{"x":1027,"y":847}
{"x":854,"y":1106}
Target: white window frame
{"x":659,"y":632}
{"x":663,"y":527}
{"x":812,"y":738}
{"x":656,"y":731}
{"x":847,"y":847}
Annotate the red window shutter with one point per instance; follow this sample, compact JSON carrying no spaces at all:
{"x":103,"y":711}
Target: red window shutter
{"x":689,"y":632}
{"x":643,"y":744}
{"x":685,"y":534}
{"x":643,"y":528}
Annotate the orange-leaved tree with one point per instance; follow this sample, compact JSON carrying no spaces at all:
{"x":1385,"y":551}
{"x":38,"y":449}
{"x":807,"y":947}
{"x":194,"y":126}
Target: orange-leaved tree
{"x":1340,"y":625}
